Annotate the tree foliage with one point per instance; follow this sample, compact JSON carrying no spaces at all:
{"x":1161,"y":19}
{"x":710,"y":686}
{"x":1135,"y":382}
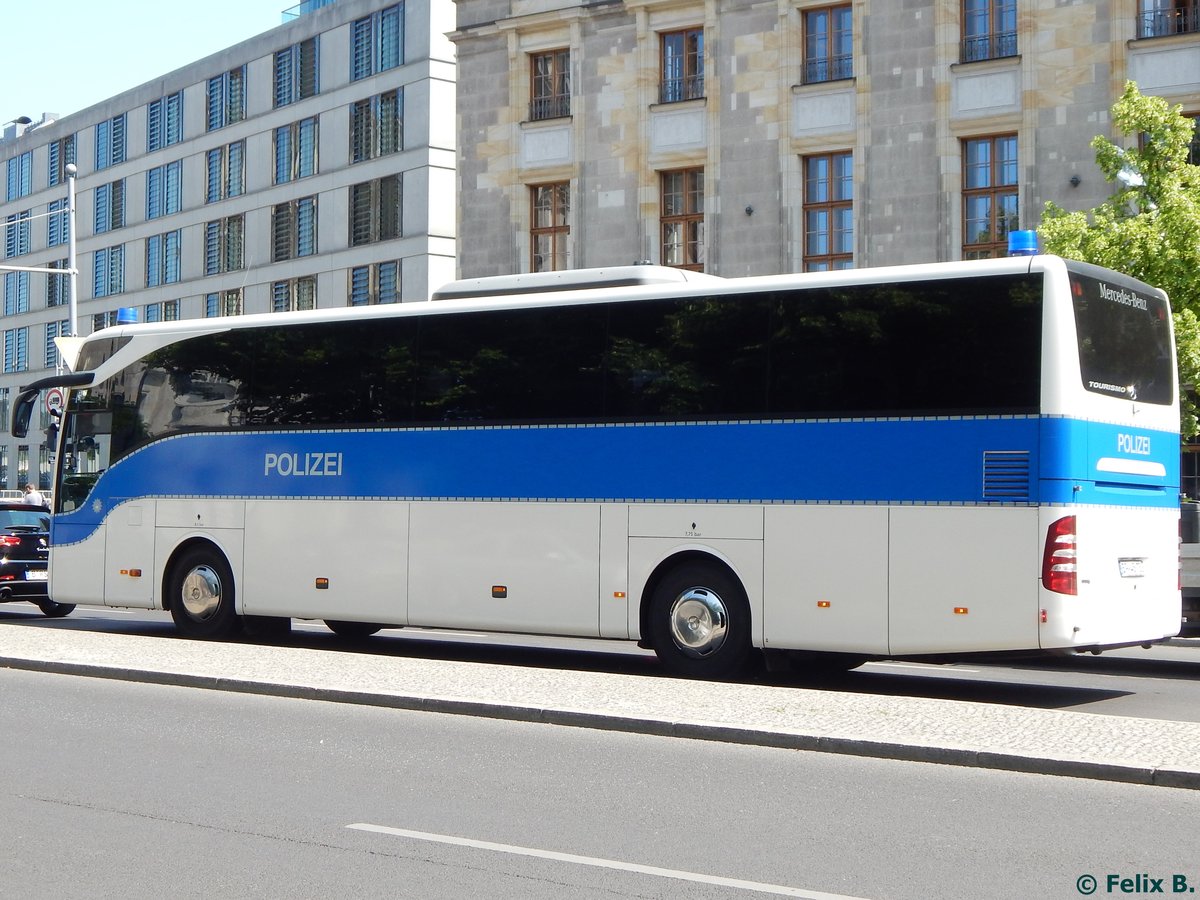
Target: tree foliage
{"x":1150,"y":227}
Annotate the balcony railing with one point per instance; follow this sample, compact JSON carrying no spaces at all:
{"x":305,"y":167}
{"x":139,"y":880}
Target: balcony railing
{"x":828,"y":68}
{"x":989,"y":46}
{"x":1162,"y":22}
{"x":554,"y":106}
{"x":675,"y":90}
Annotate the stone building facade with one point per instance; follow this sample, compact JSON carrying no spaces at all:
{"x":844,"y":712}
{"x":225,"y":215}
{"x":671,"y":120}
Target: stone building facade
{"x":762,"y":136}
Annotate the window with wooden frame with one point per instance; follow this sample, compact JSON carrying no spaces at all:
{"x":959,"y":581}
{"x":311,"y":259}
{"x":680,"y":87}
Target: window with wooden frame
{"x":550,"y":231}
{"x":682,"y":55}
{"x":990,"y":195}
{"x":828,"y":212}
{"x":549,"y":85}
{"x":683,"y":218}
{"x":989,"y":29}
{"x":828,"y":44}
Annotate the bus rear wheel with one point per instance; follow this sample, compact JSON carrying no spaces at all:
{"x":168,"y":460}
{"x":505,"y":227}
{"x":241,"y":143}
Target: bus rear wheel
{"x":201,"y":593}
{"x":700,"y":622}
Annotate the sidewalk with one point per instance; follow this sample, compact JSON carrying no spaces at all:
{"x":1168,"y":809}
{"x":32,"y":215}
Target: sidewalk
{"x":1143,"y":751}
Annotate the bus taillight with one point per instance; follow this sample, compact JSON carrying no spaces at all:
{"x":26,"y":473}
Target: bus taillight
{"x":1058,"y":562}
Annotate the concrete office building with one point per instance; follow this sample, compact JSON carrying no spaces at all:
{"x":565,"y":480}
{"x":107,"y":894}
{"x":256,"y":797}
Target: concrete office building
{"x":762,"y":136}
{"x":312,"y":165}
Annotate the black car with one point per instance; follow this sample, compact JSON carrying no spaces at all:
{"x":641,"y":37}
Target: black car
{"x":24,"y":550}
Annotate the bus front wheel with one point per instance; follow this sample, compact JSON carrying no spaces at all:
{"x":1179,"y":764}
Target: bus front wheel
{"x":53,"y":610}
{"x":700,"y":622}
{"x":201,"y":594}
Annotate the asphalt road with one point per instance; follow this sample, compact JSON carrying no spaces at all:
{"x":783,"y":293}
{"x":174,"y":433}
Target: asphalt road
{"x":1160,"y":683}
{"x":115,"y":789}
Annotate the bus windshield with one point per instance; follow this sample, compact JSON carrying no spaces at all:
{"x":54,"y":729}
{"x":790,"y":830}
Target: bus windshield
{"x":1124,"y":341}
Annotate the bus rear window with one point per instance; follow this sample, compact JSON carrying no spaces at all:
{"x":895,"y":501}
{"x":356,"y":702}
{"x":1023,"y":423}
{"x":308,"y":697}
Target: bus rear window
{"x":1124,"y":340}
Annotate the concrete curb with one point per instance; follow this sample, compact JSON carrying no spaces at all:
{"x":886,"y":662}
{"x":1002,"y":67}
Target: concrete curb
{"x":1159,"y":776}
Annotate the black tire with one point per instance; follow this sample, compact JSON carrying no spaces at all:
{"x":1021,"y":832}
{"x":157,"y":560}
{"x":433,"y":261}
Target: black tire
{"x":353,"y":630}
{"x":53,"y":610}
{"x":200,"y":591}
{"x":700,"y":622}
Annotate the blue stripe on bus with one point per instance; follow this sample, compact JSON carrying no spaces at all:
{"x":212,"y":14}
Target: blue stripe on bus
{"x":888,"y":461}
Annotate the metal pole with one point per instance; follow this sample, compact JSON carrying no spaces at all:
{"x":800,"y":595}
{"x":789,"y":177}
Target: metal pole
{"x":73,"y":269}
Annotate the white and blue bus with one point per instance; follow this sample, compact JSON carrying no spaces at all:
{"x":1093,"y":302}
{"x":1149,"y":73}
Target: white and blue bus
{"x":920,"y":461}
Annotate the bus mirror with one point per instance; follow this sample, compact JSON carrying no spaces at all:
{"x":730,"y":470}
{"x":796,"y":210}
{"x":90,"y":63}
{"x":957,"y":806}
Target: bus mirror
{"x":22,"y":413}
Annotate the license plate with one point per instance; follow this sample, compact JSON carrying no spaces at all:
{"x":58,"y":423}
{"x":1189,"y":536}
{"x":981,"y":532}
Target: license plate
{"x":1132,"y":568}
{"x":35,"y":575}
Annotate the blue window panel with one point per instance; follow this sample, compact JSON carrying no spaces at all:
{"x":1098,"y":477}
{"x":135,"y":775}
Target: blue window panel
{"x":53,"y":330}
{"x":100,"y":274}
{"x":171,"y":260}
{"x":210,"y":305}
{"x":212,"y":248}
{"x":154,"y":194}
{"x":216,"y":102}
{"x":360,"y":49}
{"x":283,"y":154}
{"x":284,"y":77}
{"x":57,"y":223}
{"x":55,"y":168}
{"x":280,"y":295}
{"x":213,"y":191}
{"x":173,"y":186}
{"x":236,"y":177}
{"x":154,"y":126}
{"x":154,"y":261}
{"x":306,"y":226}
{"x":389,"y":282}
{"x":360,"y":286}
{"x":391,"y":33}
{"x":308,"y":148}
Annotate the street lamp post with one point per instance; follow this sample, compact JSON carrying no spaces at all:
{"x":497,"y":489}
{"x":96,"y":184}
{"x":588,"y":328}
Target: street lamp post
{"x":73,"y":277}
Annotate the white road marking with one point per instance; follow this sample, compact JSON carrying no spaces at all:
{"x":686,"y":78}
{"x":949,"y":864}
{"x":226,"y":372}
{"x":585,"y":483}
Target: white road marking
{"x":758,"y":886}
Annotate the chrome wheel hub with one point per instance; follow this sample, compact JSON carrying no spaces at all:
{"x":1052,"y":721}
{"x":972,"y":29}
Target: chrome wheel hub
{"x":201,"y":594}
{"x":699,"y":622}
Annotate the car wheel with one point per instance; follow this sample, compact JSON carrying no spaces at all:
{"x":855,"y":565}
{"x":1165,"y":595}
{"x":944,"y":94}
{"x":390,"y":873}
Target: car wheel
{"x":700,"y":622}
{"x":201,"y":592}
{"x":55,"y":610}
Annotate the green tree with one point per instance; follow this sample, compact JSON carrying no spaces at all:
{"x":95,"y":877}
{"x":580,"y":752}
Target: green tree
{"x":1150,"y":227}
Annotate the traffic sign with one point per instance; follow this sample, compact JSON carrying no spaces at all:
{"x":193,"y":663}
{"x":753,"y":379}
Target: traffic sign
{"x":54,"y":400}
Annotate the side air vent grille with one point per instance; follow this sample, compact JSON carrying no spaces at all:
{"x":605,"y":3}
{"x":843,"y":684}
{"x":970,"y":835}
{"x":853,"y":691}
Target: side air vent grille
{"x":1006,"y":475}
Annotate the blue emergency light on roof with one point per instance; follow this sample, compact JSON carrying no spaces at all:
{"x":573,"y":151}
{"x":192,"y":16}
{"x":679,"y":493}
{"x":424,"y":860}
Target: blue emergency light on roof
{"x":1022,"y":243}
{"x":127,"y":315}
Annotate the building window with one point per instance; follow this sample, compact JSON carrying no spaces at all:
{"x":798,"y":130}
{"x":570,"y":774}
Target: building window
{"x":828,"y":212}
{"x":224,"y":242}
{"x":110,"y":142}
{"x":989,"y":195}
{"x":20,"y":175}
{"x":4,"y":450}
{"x":296,"y":70}
{"x":162,"y":259}
{"x":53,"y":330}
{"x":16,"y":353}
{"x":294,"y":229}
{"x":104,"y":320}
{"x":227,"y":98}
{"x":223,"y":303}
{"x":163,"y":311}
{"x":226,"y":172}
{"x":296,"y":150}
{"x":294,"y":294}
{"x":549,"y":236}
{"x":62,"y":153}
{"x":109,"y":205}
{"x":1158,"y":18}
{"x":550,"y":85}
{"x":57,"y":285}
{"x":376,"y":283}
{"x":16,"y":293}
{"x":164,"y":189}
{"x":377,"y":126}
{"x":58,"y":223}
{"x":377,"y":42}
{"x":164,"y":122}
{"x":1193,"y":156}
{"x":828,"y":44}
{"x":108,"y":274}
{"x":682,"y":54}
{"x":683,"y":219}
{"x":16,"y":234}
{"x":375,"y":210}
{"x":989,"y":29}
